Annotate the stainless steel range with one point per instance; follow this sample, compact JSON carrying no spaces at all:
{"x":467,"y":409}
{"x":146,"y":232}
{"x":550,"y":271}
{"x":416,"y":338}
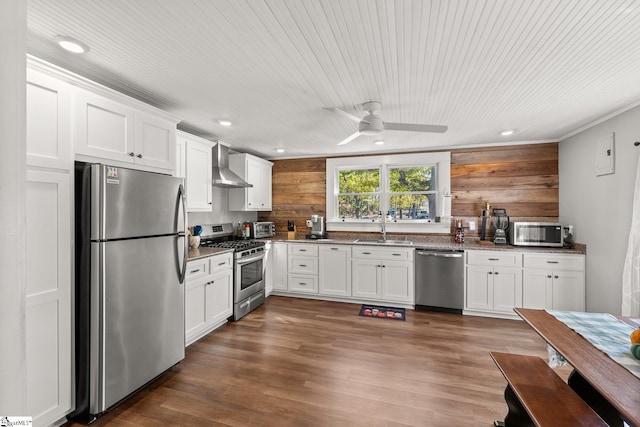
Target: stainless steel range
{"x":248,"y":266}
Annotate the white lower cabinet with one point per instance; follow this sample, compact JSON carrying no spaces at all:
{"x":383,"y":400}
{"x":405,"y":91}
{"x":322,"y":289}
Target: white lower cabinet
{"x":335,"y":268}
{"x":48,"y":311}
{"x":494,"y":288}
{"x":499,"y":281}
{"x":493,"y":282}
{"x":208,"y":295}
{"x":279,"y":266}
{"x":383,"y":274}
{"x":554,"y":281}
{"x":345,"y":272}
{"x":303,"y":268}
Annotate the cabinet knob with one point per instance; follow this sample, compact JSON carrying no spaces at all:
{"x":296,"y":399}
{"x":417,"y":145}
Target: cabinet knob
{"x":132,"y":154}
{"x":491,"y":272}
{"x":496,"y":273}
{"x":139,"y":156}
{"x":555,"y":277}
{"x":549,"y":276}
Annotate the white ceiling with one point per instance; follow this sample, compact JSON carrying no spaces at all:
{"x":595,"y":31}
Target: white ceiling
{"x":542,"y":67}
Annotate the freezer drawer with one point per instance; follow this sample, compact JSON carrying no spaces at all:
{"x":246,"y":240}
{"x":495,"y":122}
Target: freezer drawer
{"x":140,"y":315}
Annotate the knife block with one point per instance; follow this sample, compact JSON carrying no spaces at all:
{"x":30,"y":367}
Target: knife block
{"x":291,"y":235}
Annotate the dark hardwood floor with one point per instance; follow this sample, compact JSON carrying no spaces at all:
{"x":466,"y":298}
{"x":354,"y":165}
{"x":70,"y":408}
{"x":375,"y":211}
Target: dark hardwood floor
{"x":297,"y":362}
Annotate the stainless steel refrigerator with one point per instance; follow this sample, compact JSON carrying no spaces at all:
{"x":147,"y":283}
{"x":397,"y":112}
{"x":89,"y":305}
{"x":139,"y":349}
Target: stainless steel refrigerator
{"x":131,"y":253}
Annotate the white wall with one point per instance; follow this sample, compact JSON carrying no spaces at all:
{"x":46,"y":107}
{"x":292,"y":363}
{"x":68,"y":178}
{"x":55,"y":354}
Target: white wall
{"x":12,"y":207}
{"x":599,"y":207}
{"x":220,"y":211}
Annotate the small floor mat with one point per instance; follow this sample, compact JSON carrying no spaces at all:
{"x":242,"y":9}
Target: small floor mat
{"x":382,"y":312}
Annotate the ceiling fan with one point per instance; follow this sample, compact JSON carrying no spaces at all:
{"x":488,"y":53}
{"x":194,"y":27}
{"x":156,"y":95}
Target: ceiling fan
{"x":372,"y":123}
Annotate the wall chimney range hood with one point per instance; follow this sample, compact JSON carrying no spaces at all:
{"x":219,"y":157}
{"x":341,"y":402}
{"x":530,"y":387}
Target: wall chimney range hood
{"x":222,"y":175}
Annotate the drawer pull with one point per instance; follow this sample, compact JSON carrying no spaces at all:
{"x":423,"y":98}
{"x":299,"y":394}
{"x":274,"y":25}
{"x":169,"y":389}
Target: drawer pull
{"x":494,"y":259}
{"x":302,"y":250}
{"x":303,"y":265}
{"x":222,"y":263}
{"x":194,"y":271}
{"x":302,"y":284}
{"x":334,"y":249}
{"x":552,"y":262}
{"x":366,"y":253}
{"x":397,"y":254}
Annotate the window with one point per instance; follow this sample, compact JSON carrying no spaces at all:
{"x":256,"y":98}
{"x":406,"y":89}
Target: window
{"x":411,"y":190}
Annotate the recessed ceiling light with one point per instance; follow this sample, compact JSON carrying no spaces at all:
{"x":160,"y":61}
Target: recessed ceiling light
{"x":71,"y":45}
{"x":280,"y":150}
{"x":379,"y":142}
{"x":507,"y":132}
{"x":225,"y":122}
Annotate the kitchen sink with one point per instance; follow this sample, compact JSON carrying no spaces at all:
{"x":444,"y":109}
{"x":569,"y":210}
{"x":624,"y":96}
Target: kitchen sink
{"x":384,"y":242}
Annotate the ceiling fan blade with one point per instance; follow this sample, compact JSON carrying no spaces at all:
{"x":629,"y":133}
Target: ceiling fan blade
{"x":349,"y":138}
{"x":415,"y":127}
{"x":344,"y":114}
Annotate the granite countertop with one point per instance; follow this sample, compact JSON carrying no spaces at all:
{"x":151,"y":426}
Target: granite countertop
{"x":429,"y":242}
{"x":205,"y":252}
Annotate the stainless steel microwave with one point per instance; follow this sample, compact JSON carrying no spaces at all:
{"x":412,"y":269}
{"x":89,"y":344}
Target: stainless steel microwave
{"x":536,"y":234}
{"x":260,"y":230}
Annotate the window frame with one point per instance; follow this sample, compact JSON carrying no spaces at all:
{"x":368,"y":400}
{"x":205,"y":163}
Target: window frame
{"x":442,"y":161}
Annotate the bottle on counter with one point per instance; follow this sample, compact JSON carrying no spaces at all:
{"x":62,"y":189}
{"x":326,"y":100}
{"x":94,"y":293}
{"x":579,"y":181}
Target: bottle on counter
{"x":247,"y":230}
{"x":239,"y":230}
{"x":459,"y":232}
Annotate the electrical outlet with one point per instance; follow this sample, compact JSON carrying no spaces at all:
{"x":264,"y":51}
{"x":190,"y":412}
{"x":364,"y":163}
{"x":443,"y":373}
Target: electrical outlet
{"x":472,"y":226}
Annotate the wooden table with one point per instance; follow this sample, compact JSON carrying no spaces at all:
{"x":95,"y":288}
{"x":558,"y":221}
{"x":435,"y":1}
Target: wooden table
{"x":610,"y":389}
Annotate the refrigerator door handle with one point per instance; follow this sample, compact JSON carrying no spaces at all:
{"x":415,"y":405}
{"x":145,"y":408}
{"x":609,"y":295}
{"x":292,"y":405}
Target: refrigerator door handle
{"x":182,"y":232}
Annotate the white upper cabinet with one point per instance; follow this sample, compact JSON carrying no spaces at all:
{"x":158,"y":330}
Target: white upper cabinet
{"x":155,"y":140}
{"x":48,"y":121}
{"x":197,"y":171}
{"x":255,"y":171}
{"x":115,"y":131}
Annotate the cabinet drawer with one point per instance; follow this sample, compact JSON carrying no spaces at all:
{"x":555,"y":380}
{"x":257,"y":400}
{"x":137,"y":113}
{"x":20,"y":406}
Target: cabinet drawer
{"x":221,"y":262}
{"x":197,"y":268}
{"x":303,"y":249}
{"x":376,"y":252}
{"x":306,"y":284}
{"x":501,"y":258}
{"x":302,"y":264}
{"x":554,"y":261}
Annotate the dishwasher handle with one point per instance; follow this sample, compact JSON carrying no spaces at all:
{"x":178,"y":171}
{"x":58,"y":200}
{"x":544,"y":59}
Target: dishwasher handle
{"x":440,"y":254}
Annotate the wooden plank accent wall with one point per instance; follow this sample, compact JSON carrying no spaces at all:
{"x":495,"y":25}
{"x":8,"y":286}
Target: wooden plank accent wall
{"x":523,"y":179}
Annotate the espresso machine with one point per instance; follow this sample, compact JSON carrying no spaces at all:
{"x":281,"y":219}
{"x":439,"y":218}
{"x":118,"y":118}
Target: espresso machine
{"x":316,"y":223}
{"x":500,"y":223}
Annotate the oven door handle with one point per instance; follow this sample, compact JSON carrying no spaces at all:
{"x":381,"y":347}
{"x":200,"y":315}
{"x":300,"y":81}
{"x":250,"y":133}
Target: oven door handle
{"x":243,"y":261}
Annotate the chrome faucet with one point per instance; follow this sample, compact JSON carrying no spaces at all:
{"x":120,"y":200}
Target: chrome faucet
{"x":383,"y":227}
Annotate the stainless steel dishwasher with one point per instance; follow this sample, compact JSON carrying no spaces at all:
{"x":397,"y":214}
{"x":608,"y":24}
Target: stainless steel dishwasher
{"x":439,"y":280}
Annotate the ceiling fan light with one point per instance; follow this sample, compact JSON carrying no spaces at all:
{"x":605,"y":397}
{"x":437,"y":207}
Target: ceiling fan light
{"x":379,"y":142}
{"x":225,"y":122}
{"x":279,"y":150}
{"x":507,"y":132}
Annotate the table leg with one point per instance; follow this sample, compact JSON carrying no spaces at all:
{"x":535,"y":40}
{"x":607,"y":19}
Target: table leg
{"x":594,"y":399}
{"x":517,"y":415}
